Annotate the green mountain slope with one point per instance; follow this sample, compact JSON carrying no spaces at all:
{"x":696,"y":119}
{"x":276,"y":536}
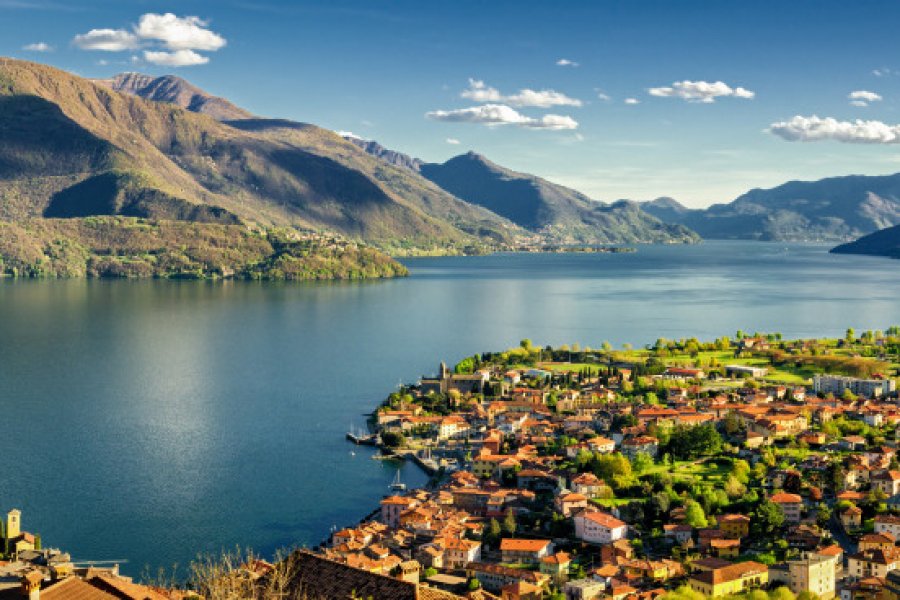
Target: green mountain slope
{"x":130,"y":247}
{"x":832,"y":209}
{"x":63,"y":138}
{"x":562,"y":214}
{"x":885,"y":242}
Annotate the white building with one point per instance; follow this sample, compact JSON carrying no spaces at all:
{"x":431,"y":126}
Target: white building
{"x":812,"y":573}
{"x":599,"y":527}
{"x":869,"y":388}
{"x":888,"y":524}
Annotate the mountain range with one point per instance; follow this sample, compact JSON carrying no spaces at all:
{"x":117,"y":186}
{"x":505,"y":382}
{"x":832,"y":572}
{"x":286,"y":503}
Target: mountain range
{"x":832,"y":209}
{"x":560,"y":214}
{"x":70,"y":147}
{"x":554,"y":212}
{"x":160,"y":148}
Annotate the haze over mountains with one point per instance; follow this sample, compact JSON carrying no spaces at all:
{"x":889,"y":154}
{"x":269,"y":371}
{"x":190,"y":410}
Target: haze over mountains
{"x":832,"y":209}
{"x":557,"y":213}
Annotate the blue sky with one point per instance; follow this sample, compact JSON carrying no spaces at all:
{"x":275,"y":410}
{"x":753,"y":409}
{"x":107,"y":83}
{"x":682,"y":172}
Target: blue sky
{"x":399,"y":72}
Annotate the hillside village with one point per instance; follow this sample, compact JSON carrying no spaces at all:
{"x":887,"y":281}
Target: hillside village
{"x":685,"y":469}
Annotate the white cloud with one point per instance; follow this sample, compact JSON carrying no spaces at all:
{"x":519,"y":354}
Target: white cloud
{"x":602,"y":96}
{"x":107,"y":40}
{"x":632,"y":101}
{"x":500,"y":114}
{"x":179,"y":33}
{"x":38,"y":47}
{"x":814,"y":129}
{"x":179,"y":58}
{"x":478,"y":91}
{"x":565,"y":62}
{"x":452,"y":141}
{"x":863,"y":97}
{"x":542,"y":99}
{"x":167,"y":40}
{"x":884,"y":72}
{"x":700,"y":91}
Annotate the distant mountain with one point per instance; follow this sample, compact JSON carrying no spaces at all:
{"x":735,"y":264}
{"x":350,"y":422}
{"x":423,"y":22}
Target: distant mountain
{"x":392,"y":157}
{"x":832,"y":209}
{"x":666,"y":209}
{"x":562,"y":214}
{"x":885,"y":242}
{"x":71,"y":148}
{"x":177,"y":91}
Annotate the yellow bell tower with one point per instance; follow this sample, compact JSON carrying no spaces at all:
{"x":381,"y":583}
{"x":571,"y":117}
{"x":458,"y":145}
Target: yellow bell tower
{"x":13,"y":524}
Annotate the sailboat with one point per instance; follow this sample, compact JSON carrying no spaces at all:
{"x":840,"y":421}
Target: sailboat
{"x":397,"y":485}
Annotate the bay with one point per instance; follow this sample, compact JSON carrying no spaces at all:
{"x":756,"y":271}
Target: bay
{"x":147,"y":421}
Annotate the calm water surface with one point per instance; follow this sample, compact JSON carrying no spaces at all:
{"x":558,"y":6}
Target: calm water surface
{"x":149,"y":421}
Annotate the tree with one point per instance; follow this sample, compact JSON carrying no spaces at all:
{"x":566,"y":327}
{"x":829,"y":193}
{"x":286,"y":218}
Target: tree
{"x":613,"y":468}
{"x":583,"y":459}
{"x":683,"y":593}
{"x":392,"y":439}
{"x":782,"y":593}
{"x":734,"y":488}
{"x":740,"y":469}
{"x":733,"y":423}
{"x":692,"y":442}
{"x":823,"y":515}
{"x":642,"y":461}
{"x":694,"y":514}
{"x":473,"y":585}
{"x":492,"y":535}
{"x":660,"y":503}
{"x":769,"y":517}
{"x":509,"y":522}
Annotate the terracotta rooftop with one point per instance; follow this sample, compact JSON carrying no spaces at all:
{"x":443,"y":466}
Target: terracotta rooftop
{"x":328,"y":579}
{"x":520,"y":545}
{"x":603,"y":519}
{"x":731,"y":572}
{"x":785,"y":498}
{"x":73,"y":588}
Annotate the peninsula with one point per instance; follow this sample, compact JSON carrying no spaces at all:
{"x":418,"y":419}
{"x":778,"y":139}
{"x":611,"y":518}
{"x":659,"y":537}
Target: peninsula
{"x":747,"y":467}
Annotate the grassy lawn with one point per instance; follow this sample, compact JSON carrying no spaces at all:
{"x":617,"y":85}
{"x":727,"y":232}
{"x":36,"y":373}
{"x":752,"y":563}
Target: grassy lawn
{"x":613,"y":502}
{"x":558,"y":366}
{"x":689,"y":470}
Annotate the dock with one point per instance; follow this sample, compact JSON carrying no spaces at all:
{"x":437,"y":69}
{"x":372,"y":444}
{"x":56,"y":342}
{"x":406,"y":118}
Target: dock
{"x":370,"y":439}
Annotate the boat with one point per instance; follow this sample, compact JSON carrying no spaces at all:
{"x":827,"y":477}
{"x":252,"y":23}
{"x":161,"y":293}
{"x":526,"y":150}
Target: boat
{"x":397,"y":485}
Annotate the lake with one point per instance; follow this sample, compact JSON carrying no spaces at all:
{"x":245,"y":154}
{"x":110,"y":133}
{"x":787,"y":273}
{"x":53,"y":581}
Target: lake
{"x":147,"y":421}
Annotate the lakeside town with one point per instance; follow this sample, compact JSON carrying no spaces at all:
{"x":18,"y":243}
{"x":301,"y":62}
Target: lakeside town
{"x":747,"y":467}
{"x":685,"y":469}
